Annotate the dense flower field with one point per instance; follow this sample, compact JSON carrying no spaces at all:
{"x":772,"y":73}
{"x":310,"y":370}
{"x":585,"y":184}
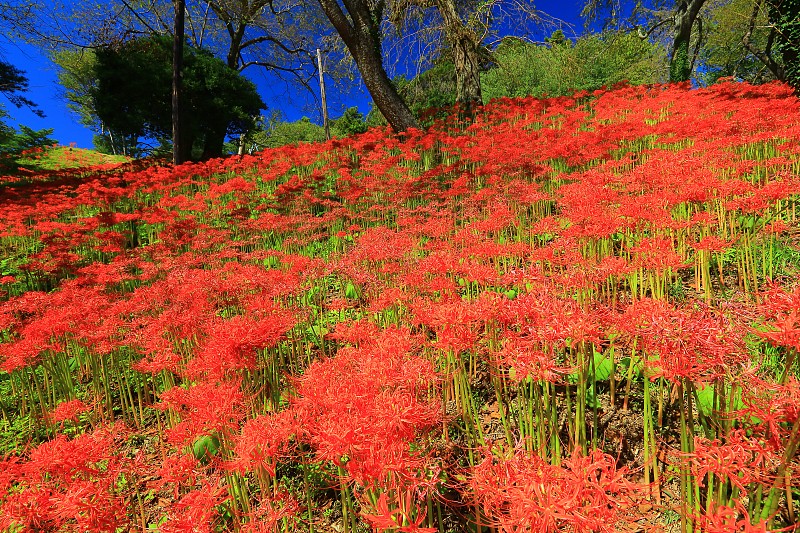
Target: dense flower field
{"x":575,"y":314}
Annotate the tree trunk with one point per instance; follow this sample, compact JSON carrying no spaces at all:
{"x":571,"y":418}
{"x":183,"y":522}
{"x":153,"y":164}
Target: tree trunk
{"x":360,"y":31}
{"x":383,"y":92}
{"x":178,"y":149}
{"x":213,"y":144}
{"x":680,"y":63}
{"x":465,"y":45}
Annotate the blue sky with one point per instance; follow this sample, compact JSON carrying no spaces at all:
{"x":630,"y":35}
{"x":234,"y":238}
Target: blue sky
{"x":45,"y":91}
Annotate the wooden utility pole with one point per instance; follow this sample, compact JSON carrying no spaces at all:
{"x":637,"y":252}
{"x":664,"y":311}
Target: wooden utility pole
{"x":322,"y":94}
{"x":177,"y":70}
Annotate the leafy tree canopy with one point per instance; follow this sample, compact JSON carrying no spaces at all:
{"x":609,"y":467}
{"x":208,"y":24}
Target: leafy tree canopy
{"x":521,"y":68}
{"x":273,"y":132}
{"x":724,"y":52}
{"x":277,"y":133}
{"x":351,"y":122}
{"x":785,"y":17}
{"x":13,"y":82}
{"x":133,"y":94}
{"x":592,"y":61}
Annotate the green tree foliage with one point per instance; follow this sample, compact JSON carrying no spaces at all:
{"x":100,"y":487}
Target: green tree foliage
{"x":279,"y":133}
{"x":351,"y":122}
{"x":429,"y":94}
{"x":133,"y":95}
{"x":78,"y":81}
{"x":677,"y":24}
{"x":592,"y":61}
{"x":521,"y":68}
{"x":13,"y":82}
{"x":17,"y":142}
{"x":272,"y":132}
{"x":430,"y":90}
{"x":785,"y":18}
{"x":753,"y":40}
{"x":736,"y":35}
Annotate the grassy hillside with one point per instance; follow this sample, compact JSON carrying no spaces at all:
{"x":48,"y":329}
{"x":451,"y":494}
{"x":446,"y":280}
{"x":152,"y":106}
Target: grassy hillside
{"x":575,"y":314}
{"x":41,"y":163}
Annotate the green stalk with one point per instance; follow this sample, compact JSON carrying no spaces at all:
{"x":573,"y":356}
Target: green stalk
{"x":307,"y":490}
{"x":595,"y":418}
{"x":650,"y":453}
{"x":580,"y":401}
{"x":555,"y":441}
{"x":686,"y":483}
{"x":770,"y":508}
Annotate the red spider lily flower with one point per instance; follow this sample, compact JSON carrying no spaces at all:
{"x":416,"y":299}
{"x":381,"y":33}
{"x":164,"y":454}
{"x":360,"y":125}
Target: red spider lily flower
{"x":712,"y":243}
{"x":684,"y":343}
{"x":177,"y":470}
{"x":267,"y":517}
{"x":398,"y":519}
{"x":67,"y":483}
{"x":774,"y":406}
{"x":724,"y":519}
{"x":658,"y":254}
{"x":28,"y":509}
{"x":523,"y":492}
{"x":364,"y":407}
{"x":781,"y":308}
{"x":529,"y":361}
{"x":65,"y":458}
{"x":263,"y":440}
{"x":556,"y":322}
{"x":355,"y":332}
{"x":68,"y":411}
{"x":232,"y":345}
{"x":92,"y":506}
{"x":204,"y":408}
{"x":10,"y":469}
{"x":456,"y":323}
{"x":741,"y":459}
{"x":195,"y":512}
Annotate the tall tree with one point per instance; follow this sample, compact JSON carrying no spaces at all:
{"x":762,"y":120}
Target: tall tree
{"x":685,"y":18}
{"x":682,"y":17}
{"x":179,"y":151}
{"x":133,"y":95}
{"x":358,"y":23}
{"x":460,"y":23}
{"x":275,"y":35}
{"x":76,"y":75}
{"x":754,"y":40}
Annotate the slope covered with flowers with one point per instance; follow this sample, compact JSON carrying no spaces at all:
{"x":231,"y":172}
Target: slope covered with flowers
{"x":575,"y":314}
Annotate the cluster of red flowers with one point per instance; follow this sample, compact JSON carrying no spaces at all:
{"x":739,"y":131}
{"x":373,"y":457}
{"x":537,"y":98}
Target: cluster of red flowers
{"x":572,"y":314}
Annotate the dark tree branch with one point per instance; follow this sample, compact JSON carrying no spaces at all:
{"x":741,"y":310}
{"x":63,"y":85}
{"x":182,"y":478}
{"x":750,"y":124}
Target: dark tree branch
{"x":764,"y":56}
{"x":277,"y":42}
{"x":645,"y":34}
{"x":138,"y":16}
